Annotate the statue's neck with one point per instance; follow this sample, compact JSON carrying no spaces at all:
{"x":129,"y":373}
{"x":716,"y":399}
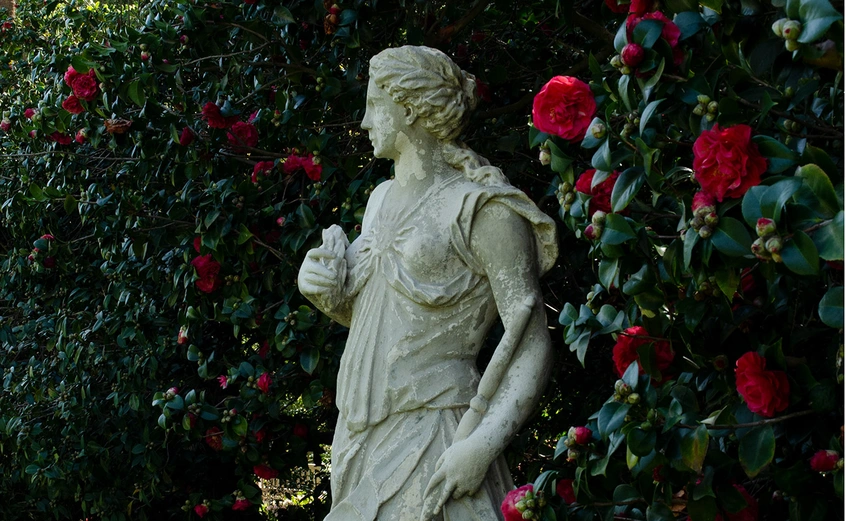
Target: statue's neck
{"x":419,"y":167}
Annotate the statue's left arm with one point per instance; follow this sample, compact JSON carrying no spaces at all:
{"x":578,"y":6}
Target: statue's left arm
{"x":503,"y":244}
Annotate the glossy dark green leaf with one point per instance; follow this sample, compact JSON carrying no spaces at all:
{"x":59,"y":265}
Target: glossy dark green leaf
{"x":817,"y":16}
{"x":617,"y":230}
{"x":732,"y":238}
{"x":704,"y":509}
{"x":756,"y":449}
{"x":694,"y":447}
{"x":800,"y":255}
{"x":831,"y":308}
{"x":779,"y":157}
{"x":829,"y":238}
{"x":647,"y":32}
{"x":626,"y":187}
{"x":820,"y":184}
{"x":611,"y":417}
{"x":751,"y":205}
{"x":659,"y":512}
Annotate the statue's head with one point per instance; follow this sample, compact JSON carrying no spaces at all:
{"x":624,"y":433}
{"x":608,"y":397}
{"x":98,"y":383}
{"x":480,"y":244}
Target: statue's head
{"x":425,"y":80}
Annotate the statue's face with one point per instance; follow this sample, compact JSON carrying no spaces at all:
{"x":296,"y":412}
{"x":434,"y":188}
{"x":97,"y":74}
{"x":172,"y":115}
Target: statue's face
{"x":385,"y":121}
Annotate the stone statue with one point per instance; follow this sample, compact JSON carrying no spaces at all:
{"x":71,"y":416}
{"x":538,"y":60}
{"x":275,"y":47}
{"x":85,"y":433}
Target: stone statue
{"x":444,"y":248}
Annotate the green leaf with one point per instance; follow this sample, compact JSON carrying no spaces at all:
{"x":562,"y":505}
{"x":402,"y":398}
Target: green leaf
{"x":777,"y":195}
{"x":689,"y":23}
{"x":568,"y":315}
{"x":659,"y":511}
{"x":602,"y":157}
{"x":617,"y":230}
{"x":37,"y":193}
{"x":728,"y":280}
{"x":704,"y":509}
{"x":694,"y":446}
{"x":309,"y":359}
{"x":244,"y":234}
{"x":690,"y":240}
{"x":282,"y":16}
{"x":831,"y":307}
{"x":829,"y":239}
{"x":779,"y":157}
{"x":816,"y":16}
{"x":800,"y":255}
{"x":626,"y":187}
{"x":589,"y":141}
{"x":621,"y":38}
{"x":639,"y":282}
{"x":609,"y":273}
{"x":135,"y":91}
{"x":612,"y":416}
{"x":641,"y":443}
{"x":820,"y":184}
{"x":732,"y":238}
{"x":559,"y":162}
{"x":648,"y":112}
{"x":756,"y":449}
{"x":623,"y":91}
{"x":71,"y":206}
{"x":751,"y":205}
{"x":647,"y":32}
{"x":625,"y":493}
{"x":239,"y":426}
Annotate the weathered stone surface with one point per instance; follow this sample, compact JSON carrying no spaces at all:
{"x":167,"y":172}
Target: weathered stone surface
{"x":445,"y":248}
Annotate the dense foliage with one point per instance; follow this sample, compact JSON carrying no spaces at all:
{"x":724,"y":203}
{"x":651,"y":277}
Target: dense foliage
{"x":166,"y":166}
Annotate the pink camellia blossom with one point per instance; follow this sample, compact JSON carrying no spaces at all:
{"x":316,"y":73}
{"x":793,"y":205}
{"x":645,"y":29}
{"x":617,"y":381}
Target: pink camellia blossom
{"x":223,"y":380}
{"x":81,"y":136}
{"x":207,"y":271}
{"x":564,"y":107}
{"x":241,"y":504}
{"x":825,"y":460}
{"x":243,"y":134}
{"x":48,"y":237}
{"x":29,"y":113}
{"x":583,"y":435}
{"x":726,"y":162}
{"x":262,"y":168}
{"x":201,"y":510}
{"x":186,"y":137}
{"x":264,"y":382}
{"x":72,"y":105}
{"x":509,"y":504}
{"x":564,"y":489}
{"x":265,"y":472}
{"x":5,"y":125}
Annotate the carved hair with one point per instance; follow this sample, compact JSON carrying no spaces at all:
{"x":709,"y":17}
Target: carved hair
{"x":441,"y":95}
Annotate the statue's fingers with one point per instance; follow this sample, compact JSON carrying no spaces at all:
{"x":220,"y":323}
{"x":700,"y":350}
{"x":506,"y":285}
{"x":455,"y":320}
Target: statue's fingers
{"x":321,"y":270}
{"x":446,"y":492}
{"x":317,"y":280}
{"x":434,"y":482}
{"x":318,"y":254}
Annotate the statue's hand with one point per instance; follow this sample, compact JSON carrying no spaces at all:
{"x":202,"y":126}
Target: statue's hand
{"x":324,"y":270}
{"x":458,"y":473}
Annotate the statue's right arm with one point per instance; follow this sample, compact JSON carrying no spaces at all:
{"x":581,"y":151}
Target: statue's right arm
{"x":323,"y":275}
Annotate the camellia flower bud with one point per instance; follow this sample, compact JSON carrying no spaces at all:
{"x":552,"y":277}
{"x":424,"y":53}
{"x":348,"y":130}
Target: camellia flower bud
{"x":545,"y":157}
{"x":713,"y":107}
{"x":703,"y":99}
{"x":703,"y":203}
{"x":774,"y":245}
{"x":598,"y":130}
{"x":565,"y":187}
{"x":625,"y":69}
{"x":617,"y":61}
{"x":622,"y":387}
{"x":778,"y":26}
{"x":699,"y":110}
{"x":705,"y":231}
{"x":182,"y":337}
{"x":632,"y":55}
{"x":583,"y":435}
{"x":792,"y":45}
{"x":720,"y":363}
{"x":712,"y":219}
{"x":280,"y":221}
{"x":791,"y":29}
{"x":593,"y":232}
{"x":759,"y":249}
{"x":765,"y":226}
{"x":145,"y":56}
{"x":825,"y":460}
{"x":633,"y":398}
{"x":569,"y":197}
{"x":5,"y":125}
{"x":572,"y":454}
{"x":598,"y":218}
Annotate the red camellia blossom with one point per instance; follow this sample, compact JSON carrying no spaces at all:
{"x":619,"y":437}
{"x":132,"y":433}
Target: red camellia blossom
{"x":632,"y":54}
{"x":241,"y":504}
{"x":825,"y":460}
{"x":265,"y":472}
{"x":564,"y":489}
{"x":583,"y":435}
{"x":300,"y":430}
{"x":72,"y":105}
{"x":261,"y":168}
{"x":625,"y":351}
{"x":726,"y":162}
{"x":766,"y":392}
{"x":264,"y":382}
{"x":669,"y":32}
{"x":85,"y":85}
{"x":81,"y":136}
{"x":509,"y":504}
{"x":294,"y":162}
{"x":70,"y":75}
{"x":640,"y":7}
{"x":564,"y":107}
{"x":703,"y":199}
{"x":748,"y":513}
{"x":28,"y":113}
{"x":48,"y":237}
{"x":212,"y":115}
{"x":214,"y":438}
{"x":601,"y":193}
{"x":201,"y":510}
{"x":207,"y":271}
{"x":260,"y":434}
{"x":186,"y":137}
{"x":198,"y":241}
{"x":60,"y":138}
{"x":243,"y":134}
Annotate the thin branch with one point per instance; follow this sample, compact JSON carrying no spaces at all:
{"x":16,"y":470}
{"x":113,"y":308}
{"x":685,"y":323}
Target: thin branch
{"x":446,"y":33}
{"x":751,"y":424}
{"x":216,"y":56}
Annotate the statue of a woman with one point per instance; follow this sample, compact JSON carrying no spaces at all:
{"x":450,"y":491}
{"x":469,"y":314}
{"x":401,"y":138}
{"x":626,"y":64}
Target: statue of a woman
{"x":444,"y":248}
